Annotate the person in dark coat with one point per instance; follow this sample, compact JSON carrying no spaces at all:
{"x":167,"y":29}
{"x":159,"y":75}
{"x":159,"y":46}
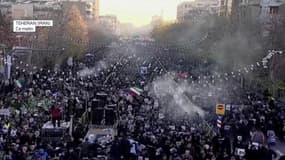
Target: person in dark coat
{"x":41,"y":154}
{"x":71,"y":155}
{"x":268,"y":153}
{"x":114,"y":152}
{"x":124,"y":147}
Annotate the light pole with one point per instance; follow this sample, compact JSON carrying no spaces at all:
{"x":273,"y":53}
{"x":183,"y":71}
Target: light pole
{"x":19,"y":39}
{"x":71,"y":125}
{"x":2,"y":47}
{"x":32,"y":47}
{"x":272,"y":69}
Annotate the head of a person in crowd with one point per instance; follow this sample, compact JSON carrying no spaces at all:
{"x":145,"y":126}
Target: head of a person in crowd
{"x":24,"y":149}
{"x":239,"y":138}
{"x":258,"y":128}
{"x":32,"y":147}
{"x":18,"y":141}
{"x":15,"y":146}
{"x":187,"y":152}
{"x":41,"y":151}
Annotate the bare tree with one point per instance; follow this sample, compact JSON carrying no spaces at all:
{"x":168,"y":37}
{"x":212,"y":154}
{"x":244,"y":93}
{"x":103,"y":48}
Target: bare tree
{"x":75,"y":32}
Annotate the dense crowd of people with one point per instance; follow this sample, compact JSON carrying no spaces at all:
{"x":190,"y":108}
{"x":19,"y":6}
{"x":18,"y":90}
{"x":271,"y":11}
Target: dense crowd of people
{"x":35,"y":96}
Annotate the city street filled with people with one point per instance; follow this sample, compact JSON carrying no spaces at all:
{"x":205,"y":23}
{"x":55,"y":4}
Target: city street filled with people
{"x":148,"y":125}
{"x":142,"y":80}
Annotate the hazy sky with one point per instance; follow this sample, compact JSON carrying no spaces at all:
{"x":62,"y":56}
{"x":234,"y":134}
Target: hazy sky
{"x":139,"y":12}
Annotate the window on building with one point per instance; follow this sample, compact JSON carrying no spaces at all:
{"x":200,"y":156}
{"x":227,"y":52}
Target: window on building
{"x":274,"y":10}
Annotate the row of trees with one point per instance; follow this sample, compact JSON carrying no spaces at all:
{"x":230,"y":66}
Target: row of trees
{"x":76,"y":35}
{"x":228,"y":46}
{"x":6,"y":35}
{"x":75,"y":32}
{"x":70,"y":35}
{"x":213,"y":39}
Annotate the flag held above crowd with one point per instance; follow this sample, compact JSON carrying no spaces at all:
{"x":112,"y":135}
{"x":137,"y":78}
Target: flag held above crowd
{"x":18,"y":84}
{"x":183,"y":74}
{"x":134,"y":91}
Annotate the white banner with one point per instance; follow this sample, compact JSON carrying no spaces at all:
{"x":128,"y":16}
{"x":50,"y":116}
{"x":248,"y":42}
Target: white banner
{"x":5,"y":112}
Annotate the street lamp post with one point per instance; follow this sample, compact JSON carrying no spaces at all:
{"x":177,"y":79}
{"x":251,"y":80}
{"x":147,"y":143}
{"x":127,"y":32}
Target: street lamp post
{"x":71,"y":125}
{"x":19,"y":39}
{"x":3,"y":46}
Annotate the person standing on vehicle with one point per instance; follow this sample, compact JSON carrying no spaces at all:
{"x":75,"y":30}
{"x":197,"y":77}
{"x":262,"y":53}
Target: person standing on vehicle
{"x":55,"y":116}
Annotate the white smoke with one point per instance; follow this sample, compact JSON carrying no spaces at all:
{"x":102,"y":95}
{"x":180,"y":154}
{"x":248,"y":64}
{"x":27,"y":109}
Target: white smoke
{"x":186,"y":96}
{"x":99,"y":66}
{"x":116,"y":54}
{"x":174,"y":95}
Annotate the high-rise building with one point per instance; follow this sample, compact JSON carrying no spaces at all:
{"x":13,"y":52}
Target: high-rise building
{"x":89,"y":8}
{"x":193,"y":10}
{"x":156,"y":21}
{"x":20,"y":11}
{"x":5,"y":9}
{"x":241,"y":12}
{"x":269,"y":15}
{"x":265,"y":12}
{"x":125,"y":29}
{"x":109,"y":23}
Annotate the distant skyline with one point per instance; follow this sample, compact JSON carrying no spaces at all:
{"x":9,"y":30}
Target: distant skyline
{"x":139,"y":12}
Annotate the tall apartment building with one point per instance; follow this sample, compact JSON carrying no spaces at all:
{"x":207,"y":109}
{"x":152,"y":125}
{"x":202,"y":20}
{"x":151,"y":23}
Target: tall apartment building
{"x":266,"y":12}
{"x":270,"y":15}
{"x":89,"y":8}
{"x":156,"y":21}
{"x":109,"y":23}
{"x":30,"y":9}
{"x":229,"y":7}
{"x":5,"y":9}
{"x":20,"y":11}
{"x":240,"y":11}
{"x":193,"y":10}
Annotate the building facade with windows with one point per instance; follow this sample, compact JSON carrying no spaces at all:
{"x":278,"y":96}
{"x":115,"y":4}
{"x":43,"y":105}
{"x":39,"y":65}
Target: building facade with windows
{"x":20,"y":11}
{"x":269,"y":15}
{"x":193,"y":10}
{"x":90,"y":8}
{"x":109,"y":23}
